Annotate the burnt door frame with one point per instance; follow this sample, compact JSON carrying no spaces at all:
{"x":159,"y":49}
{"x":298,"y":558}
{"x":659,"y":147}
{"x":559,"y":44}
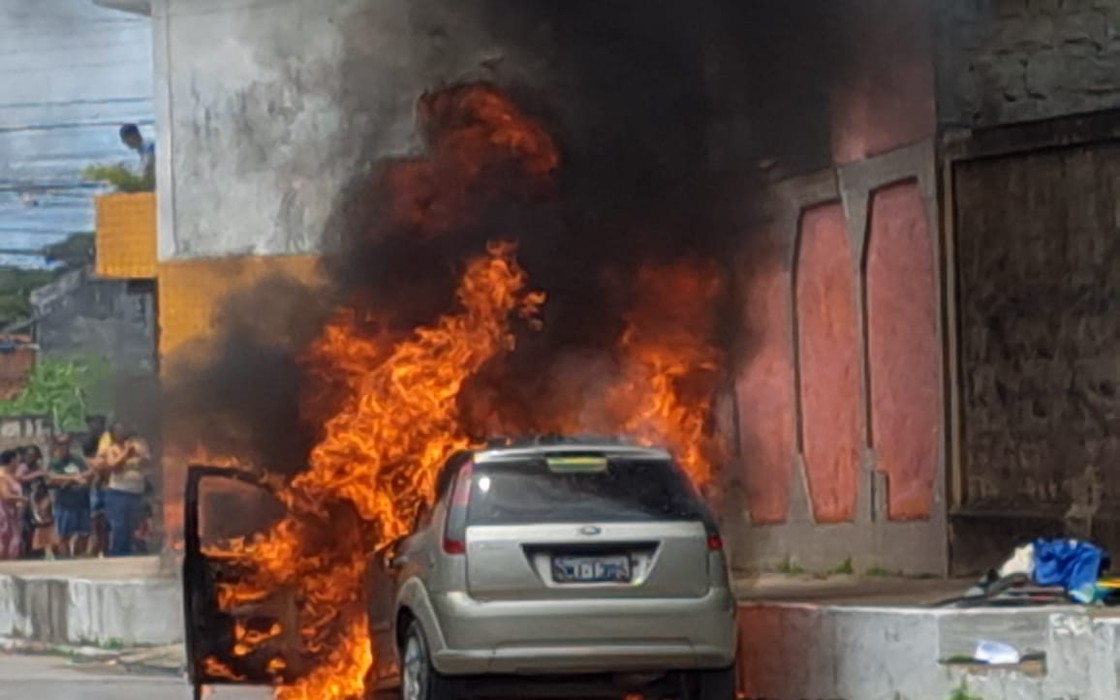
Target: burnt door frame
{"x":198,"y":586}
{"x":956,"y":149}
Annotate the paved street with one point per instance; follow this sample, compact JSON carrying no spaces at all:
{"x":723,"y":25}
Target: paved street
{"x":26,"y":677}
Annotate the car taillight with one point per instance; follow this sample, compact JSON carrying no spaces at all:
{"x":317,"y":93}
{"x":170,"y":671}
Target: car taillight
{"x":454,"y":546}
{"x":715,"y":542}
{"x":455,"y":533}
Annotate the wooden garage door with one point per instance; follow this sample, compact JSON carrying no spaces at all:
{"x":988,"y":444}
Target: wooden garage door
{"x":1038,"y":273}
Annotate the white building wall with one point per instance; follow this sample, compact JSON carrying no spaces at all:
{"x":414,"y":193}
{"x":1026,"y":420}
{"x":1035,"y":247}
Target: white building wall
{"x":268,"y":108}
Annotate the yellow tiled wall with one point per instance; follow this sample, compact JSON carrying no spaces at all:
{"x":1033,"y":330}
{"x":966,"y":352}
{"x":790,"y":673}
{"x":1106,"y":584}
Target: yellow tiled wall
{"x":190,"y":294}
{"x":190,"y":291}
{"x":126,"y":236}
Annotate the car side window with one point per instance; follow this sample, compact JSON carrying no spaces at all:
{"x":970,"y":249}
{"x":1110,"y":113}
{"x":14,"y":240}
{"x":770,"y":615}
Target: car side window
{"x":448,"y":472}
{"x":423,"y":518}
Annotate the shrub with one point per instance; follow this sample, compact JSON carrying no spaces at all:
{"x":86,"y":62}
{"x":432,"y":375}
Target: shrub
{"x":65,"y":390}
{"x":121,"y":177}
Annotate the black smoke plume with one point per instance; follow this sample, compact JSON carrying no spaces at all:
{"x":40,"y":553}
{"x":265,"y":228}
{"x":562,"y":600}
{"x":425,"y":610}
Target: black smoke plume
{"x":667,"y":115}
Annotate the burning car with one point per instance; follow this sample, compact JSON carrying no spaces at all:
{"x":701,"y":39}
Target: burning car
{"x":589,"y":567}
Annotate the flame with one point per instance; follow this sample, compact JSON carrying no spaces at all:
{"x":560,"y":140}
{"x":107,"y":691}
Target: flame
{"x":217,"y":669}
{"x":387,"y":406}
{"x":666,"y":371}
{"x":247,"y":640}
{"x":670,"y":368}
{"x":379,"y":454}
{"x":401,"y":421}
{"x":480,"y":145}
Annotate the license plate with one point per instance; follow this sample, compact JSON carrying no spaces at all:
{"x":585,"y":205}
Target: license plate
{"x":591,"y":569}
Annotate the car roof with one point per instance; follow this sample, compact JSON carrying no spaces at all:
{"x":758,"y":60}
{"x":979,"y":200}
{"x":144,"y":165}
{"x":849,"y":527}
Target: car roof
{"x":605,"y":448}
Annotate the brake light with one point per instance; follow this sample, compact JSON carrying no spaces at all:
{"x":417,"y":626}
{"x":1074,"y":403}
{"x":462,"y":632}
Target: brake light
{"x":455,"y":533}
{"x":461,"y":497}
{"x":715,"y":542}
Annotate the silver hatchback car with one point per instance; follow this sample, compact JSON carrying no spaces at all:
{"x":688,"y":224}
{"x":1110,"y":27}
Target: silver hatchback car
{"x":558,"y":568}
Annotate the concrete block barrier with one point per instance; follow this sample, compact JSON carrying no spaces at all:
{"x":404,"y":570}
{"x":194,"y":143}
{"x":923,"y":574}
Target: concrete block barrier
{"x":76,"y":611}
{"x":797,"y":651}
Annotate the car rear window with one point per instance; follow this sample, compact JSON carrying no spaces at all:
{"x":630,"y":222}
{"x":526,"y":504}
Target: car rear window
{"x":615,"y":490}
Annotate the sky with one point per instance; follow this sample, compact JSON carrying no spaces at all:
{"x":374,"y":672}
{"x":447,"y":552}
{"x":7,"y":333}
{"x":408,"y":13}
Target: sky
{"x":70,"y":74}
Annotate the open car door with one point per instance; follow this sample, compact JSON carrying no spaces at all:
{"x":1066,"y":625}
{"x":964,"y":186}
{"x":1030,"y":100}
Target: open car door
{"x":255,"y":642}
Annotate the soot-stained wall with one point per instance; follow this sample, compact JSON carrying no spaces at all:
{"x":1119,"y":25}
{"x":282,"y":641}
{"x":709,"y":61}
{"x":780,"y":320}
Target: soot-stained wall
{"x":256,"y":137}
{"x":1036,"y":233}
{"x":1005,"y":61}
{"x":269,"y":111}
{"x":841,"y":401}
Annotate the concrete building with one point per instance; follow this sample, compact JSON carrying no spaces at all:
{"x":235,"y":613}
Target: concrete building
{"x":80,"y":315}
{"x":934,"y":372}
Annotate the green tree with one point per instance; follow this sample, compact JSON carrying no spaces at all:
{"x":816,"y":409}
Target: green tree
{"x":65,"y":390}
{"x":75,"y":251}
{"x":16,"y":285}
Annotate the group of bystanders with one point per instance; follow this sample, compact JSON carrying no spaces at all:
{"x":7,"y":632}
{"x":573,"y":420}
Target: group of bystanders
{"x":91,"y":502}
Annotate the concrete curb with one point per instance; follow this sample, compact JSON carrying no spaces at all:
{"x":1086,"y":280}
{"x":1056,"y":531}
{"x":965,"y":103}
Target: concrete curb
{"x":164,"y":661}
{"x":91,"y":613}
{"x":792,"y":651}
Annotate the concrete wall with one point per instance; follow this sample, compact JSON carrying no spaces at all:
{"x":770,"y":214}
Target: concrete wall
{"x":1015,"y":60}
{"x":112,"y":319}
{"x":811,"y":652}
{"x":253,"y":142}
{"x":840,"y":405}
{"x":840,"y":401}
{"x":24,"y":430}
{"x":73,"y":611}
{"x":267,"y":111}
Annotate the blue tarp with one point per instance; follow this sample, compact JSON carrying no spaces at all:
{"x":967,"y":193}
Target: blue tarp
{"x":1071,"y":564}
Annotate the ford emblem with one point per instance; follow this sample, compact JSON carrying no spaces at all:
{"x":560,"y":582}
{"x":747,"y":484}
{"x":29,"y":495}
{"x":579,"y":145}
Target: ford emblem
{"x":590,"y":530}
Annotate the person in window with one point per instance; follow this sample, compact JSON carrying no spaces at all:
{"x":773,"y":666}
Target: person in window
{"x":70,"y":478}
{"x":124,"y":462}
{"x":133,"y":139}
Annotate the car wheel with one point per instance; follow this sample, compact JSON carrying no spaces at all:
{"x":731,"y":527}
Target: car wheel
{"x":710,"y":685}
{"x":419,"y":679}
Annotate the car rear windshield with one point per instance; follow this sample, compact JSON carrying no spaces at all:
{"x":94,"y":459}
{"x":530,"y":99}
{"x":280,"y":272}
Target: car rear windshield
{"x":614,"y":490}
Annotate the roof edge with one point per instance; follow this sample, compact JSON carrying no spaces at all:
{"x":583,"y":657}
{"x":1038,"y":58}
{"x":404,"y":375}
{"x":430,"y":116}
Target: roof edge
{"x":135,"y":7}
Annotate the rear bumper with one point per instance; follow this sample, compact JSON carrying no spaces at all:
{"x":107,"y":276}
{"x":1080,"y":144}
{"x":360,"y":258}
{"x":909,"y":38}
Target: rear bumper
{"x":595,"y":636}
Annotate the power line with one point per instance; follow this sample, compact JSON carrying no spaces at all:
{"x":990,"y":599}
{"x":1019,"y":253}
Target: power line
{"x":67,"y":67}
{"x":38,"y":31}
{"x":75,"y":48}
{"x":73,"y":103}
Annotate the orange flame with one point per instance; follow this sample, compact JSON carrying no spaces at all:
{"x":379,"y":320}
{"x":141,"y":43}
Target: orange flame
{"x":401,"y":421}
{"x":480,"y":145}
{"x":217,"y":669}
{"x":397,"y":424}
{"x":670,"y":367}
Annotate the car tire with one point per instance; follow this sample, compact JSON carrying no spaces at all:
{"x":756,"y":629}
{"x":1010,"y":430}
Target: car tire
{"x":419,"y":679}
{"x":710,"y":685}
